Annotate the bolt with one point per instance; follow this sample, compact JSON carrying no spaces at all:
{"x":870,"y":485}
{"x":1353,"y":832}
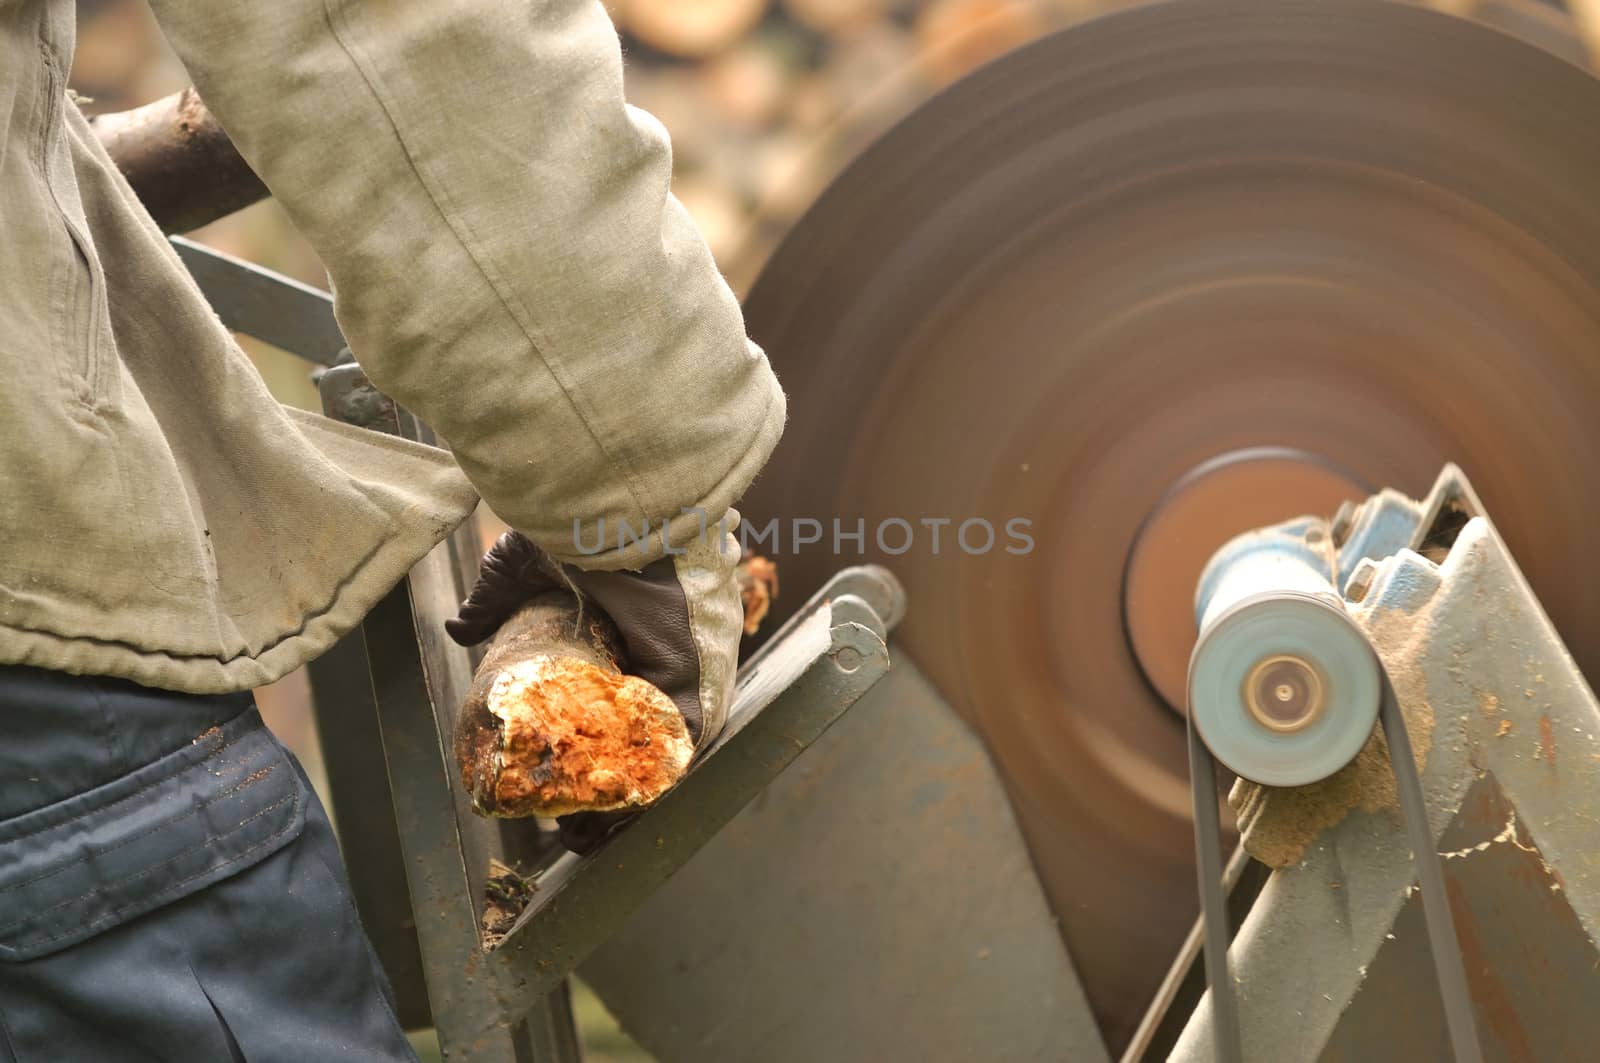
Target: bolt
{"x":1343,"y":521}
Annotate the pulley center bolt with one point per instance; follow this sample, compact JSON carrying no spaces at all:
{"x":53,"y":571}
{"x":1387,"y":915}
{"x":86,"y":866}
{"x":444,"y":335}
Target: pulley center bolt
{"x":1285,"y":693}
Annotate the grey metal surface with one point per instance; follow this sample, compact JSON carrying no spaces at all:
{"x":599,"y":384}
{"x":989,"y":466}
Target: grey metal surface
{"x":439,"y":848}
{"x":362,"y":807}
{"x":1256,"y":586}
{"x":787,"y":698}
{"x":1524,"y":991}
{"x":1450,"y":974}
{"x":876,"y":902}
{"x":273,"y":308}
{"x":418,"y":678}
{"x":439,"y":855}
{"x":1185,"y":982}
{"x":548,"y":1034}
{"x":1381,"y":526}
{"x":1328,"y":960}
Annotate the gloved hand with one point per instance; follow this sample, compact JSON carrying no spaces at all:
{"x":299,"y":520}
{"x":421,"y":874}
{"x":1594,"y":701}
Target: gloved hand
{"x":680,"y":619}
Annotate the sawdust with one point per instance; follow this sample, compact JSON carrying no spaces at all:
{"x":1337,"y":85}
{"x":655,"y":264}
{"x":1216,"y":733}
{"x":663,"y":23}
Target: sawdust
{"x":1278,"y":824}
{"x":506,"y":892}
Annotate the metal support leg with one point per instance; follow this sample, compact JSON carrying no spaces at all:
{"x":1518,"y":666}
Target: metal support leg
{"x":362,"y":804}
{"x":418,"y":679}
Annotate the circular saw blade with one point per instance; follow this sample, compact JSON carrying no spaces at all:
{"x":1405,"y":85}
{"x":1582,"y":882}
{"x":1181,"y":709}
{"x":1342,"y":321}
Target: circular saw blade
{"x":1357,"y":231}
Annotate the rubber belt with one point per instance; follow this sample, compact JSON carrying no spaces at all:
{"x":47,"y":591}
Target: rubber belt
{"x":1442,"y":942}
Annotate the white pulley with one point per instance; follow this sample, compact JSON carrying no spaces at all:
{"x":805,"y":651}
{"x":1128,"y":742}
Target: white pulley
{"x":1283,"y":686}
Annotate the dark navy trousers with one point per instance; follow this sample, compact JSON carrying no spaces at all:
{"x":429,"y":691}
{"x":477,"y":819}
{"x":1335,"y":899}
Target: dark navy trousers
{"x":170,"y":888}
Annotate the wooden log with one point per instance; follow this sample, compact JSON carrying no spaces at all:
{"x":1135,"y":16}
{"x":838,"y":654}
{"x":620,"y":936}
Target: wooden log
{"x":181,"y":164}
{"x":715,"y":209}
{"x":688,"y":29}
{"x":551,"y":726}
{"x":834,"y":16}
{"x":1585,"y":16}
{"x":746,"y":85}
{"x":958,"y":36}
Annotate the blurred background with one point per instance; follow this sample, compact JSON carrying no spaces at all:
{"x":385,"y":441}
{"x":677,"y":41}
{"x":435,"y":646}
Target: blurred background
{"x":766,"y":101}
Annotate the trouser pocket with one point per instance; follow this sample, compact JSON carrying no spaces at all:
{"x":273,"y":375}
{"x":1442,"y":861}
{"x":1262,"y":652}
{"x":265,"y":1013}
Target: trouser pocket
{"x":80,"y":866}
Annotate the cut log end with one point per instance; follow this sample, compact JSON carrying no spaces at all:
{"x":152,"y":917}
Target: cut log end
{"x":574,"y":737}
{"x":551,"y":725}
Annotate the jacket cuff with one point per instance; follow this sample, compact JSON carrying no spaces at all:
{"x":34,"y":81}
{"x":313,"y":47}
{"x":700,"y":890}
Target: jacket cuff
{"x":610,"y":542}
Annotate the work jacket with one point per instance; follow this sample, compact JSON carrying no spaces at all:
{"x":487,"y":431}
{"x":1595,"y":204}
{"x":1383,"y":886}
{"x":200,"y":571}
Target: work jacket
{"x":507,"y":263}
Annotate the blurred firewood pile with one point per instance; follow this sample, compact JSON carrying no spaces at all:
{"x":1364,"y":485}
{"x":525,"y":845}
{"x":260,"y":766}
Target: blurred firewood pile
{"x":766,"y":100}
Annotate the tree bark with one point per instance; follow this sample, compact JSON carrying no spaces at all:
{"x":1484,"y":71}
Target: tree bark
{"x":181,"y":164}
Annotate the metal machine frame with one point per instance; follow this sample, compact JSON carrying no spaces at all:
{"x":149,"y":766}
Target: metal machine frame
{"x":418,"y":857}
{"x":1338,"y":939}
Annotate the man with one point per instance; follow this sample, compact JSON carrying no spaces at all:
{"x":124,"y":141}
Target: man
{"x":508,"y":263}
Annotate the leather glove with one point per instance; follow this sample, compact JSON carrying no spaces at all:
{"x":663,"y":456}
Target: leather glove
{"x":680,"y":619}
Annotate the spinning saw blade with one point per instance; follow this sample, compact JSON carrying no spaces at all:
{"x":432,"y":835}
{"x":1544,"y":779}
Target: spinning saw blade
{"x":1176,"y":273}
